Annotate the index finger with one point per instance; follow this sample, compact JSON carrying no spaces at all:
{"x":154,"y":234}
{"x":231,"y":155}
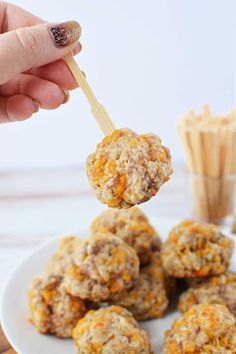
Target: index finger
{"x":58,"y":72}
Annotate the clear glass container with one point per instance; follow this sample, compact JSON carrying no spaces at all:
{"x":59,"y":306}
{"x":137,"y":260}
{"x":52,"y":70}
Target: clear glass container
{"x":213,"y":197}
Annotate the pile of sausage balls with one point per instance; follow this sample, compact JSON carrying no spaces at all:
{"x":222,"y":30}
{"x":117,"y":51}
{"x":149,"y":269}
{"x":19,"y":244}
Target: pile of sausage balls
{"x":96,"y":290}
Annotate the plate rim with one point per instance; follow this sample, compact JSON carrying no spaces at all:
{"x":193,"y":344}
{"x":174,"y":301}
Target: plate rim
{"x":11,"y":274}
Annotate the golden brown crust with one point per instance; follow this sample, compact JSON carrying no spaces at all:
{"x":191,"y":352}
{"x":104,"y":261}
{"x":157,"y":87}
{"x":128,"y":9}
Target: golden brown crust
{"x":51,"y":309}
{"x":196,"y":250}
{"x":203,"y":329}
{"x":128,"y":169}
{"x":133,"y":227}
{"x":62,"y":259}
{"x":148,"y":297}
{"x":110,"y":330}
{"x":218,"y":289}
{"x":102,"y":265}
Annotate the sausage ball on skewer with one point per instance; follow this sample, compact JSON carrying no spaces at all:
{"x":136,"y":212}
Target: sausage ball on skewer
{"x":128,"y":168}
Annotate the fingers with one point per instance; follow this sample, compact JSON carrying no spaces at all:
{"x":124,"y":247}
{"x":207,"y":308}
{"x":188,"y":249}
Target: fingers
{"x":30,"y":47}
{"x":16,"y":108}
{"x":58,"y":73}
{"x":77,"y":48}
{"x":13,"y":17}
{"x":48,"y":94}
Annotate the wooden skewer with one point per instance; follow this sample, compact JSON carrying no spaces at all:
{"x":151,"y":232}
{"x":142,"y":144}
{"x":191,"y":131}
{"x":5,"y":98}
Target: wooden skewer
{"x":229,"y":169}
{"x":97,"y":108}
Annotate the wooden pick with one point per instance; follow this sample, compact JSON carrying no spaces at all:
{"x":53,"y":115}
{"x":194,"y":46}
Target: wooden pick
{"x":97,"y":108}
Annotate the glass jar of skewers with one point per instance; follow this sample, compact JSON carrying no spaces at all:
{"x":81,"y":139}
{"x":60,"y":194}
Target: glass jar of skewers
{"x":214,"y":197}
{"x":210,"y":146}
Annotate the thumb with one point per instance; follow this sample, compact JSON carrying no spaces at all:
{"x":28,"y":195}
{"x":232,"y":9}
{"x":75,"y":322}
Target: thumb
{"x":35,"y":46}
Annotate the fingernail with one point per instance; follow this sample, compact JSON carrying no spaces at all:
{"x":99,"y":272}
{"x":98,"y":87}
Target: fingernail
{"x":77,"y":48}
{"x":66,"y":33}
{"x":36,"y":105}
{"x":84,"y":73}
{"x":67,"y":96}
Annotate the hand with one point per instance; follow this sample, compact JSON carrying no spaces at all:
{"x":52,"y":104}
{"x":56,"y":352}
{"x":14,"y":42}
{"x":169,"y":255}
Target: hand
{"x":32,"y":74}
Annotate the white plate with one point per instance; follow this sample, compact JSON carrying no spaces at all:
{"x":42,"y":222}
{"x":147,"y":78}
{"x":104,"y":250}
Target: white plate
{"x":14,"y":312}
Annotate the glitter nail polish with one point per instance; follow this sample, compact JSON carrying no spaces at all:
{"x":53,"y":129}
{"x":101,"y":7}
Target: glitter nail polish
{"x":65,"y":33}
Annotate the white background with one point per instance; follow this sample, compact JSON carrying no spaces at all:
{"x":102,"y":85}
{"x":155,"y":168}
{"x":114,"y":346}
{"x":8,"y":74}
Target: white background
{"x":148,"y":62}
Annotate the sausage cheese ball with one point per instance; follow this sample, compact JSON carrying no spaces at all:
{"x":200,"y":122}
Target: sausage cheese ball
{"x":110,"y":330}
{"x":133,"y":227}
{"x":61,"y":260}
{"x":102,"y":265}
{"x":196,"y":250}
{"x":128,"y":169}
{"x":51,"y":309}
{"x":148,"y":297}
{"x":204,"y":329}
{"x":218,"y":289}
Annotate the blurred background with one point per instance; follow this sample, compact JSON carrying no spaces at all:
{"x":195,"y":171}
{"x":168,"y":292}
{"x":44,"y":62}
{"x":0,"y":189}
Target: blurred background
{"x":148,"y":62}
